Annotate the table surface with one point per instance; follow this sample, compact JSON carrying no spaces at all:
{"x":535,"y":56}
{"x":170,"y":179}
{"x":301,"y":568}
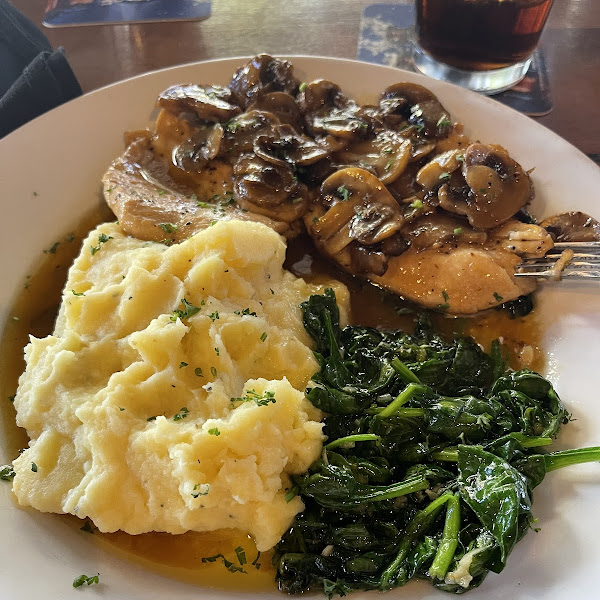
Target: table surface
{"x":103,"y":54}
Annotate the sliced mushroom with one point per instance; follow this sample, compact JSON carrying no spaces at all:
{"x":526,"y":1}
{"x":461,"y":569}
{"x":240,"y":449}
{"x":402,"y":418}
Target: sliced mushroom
{"x":496,"y":187}
{"x":387,"y":155}
{"x":437,"y":171}
{"x":355,"y":208}
{"x":329,"y":112}
{"x":437,"y":229}
{"x":262,"y":75}
{"x":283,"y":145}
{"x":525,"y":239}
{"x":241,"y":132}
{"x":269,"y":189}
{"x":283,"y":106}
{"x":208,"y":102}
{"x":203,"y":146}
{"x":573,"y":227}
{"x":410,"y":102}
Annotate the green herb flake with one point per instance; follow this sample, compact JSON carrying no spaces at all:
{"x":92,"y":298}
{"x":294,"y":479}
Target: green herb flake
{"x":445,"y":176}
{"x":460,"y":157}
{"x":182,"y":414}
{"x":198,"y":372}
{"x":214,"y":431}
{"x":77,"y":293}
{"x":255,"y":562}
{"x":7,"y":473}
{"x":445,"y":295}
{"x":217,"y":351}
{"x":213,"y":316}
{"x":241,"y":555}
{"x":153,"y":418}
{"x":267,"y":397}
{"x":344,"y":193}
{"x":498,"y":297}
{"x":70,"y":237}
{"x":231,"y":567}
{"x":263,"y":336}
{"x":389,"y":164}
{"x":102,"y":239}
{"x":189,"y":310}
{"x":12,"y":398}
{"x":302,"y":86}
{"x":52,"y":249}
{"x":87,"y":526}
{"x":85,"y":580}
{"x":213,"y":370}
{"x":443,"y":121}
{"x":458,"y":230}
{"x":168,"y":227}
{"x":416,"y":204}
{"x":201,"y":489}
{"x":246,"y":312}
{"x":183,"y":364}
{"x":34,"y":467}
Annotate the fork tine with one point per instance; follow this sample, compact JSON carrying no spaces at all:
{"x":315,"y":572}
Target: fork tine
{"x":583,"y":264}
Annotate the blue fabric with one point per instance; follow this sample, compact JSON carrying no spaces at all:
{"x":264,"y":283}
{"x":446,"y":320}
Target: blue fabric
{"x":33,"y":77}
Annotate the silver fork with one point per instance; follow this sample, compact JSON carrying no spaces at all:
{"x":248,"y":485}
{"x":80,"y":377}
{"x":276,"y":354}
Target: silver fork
{"x":577,"y":260}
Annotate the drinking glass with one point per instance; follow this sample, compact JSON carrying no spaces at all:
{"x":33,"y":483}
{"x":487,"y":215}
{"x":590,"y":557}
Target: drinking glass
{"x":483,"y":45}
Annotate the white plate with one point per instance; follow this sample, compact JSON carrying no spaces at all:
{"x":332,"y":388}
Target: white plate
{"x":62,"y":156}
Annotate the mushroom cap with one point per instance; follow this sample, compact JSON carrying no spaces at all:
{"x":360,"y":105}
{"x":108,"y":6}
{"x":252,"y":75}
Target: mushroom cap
{"x":262,"y":75}
{"x":573,"y":227}
{"x":208,"y":102}
{"x":418,"y":105}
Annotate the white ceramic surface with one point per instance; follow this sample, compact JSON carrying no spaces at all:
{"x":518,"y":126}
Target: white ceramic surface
{"x":62,"y":156}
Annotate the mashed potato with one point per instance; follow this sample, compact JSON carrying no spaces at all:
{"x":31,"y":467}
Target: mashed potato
{"x":128,"y":404}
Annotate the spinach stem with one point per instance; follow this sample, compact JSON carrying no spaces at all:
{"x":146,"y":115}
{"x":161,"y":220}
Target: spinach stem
{"x":451,"y":454}
{"x":405,"y":373}
{"x":446,"y":455}
{"x":402,"y":398}
{"x":350,"y":439}
{"x":420,"y":523}
{"x":449,"y":542}
{"x":564,"y":458}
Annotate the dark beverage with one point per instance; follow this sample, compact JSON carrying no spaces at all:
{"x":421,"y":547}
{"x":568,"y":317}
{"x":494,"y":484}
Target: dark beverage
{"x":479,"y":35}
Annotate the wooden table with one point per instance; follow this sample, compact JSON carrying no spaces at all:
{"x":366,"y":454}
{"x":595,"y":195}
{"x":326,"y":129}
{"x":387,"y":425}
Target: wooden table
{"x":104,"y":54}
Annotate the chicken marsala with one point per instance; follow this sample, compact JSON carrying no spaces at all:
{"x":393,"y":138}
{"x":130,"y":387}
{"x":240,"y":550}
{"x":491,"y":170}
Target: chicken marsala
{"x":394,"y":193}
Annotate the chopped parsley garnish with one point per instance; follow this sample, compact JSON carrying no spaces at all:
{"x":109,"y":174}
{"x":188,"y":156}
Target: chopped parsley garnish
{"x":389,"y":164}
{"x":168,"y":227}
{"x":85,"y":580}
{"x":444,"y":306}
{"x":102,"y":239}
{"x":460,"y":157}
{"x":246,"y":311}
{"x":182,"y":414}
{"x":7,"y":473}
{"x":445,"y":176}
{"x":255,"y":562}
{"x":344,"y":193}
{"x":183,"y":364}
{"x":198,"y":372}
{"x":189,"y":310}
{"x":213,"y":316}
{"x":214,"y":431}
{"x":416,"y":204}
{"x":121,"y":408}
{"x":12,"y":398}
{"x":445,"y":295}
{"x":241,"y":555}
{"x":34,"y":467}
{"x":52,"y":249}
{"x":267,"y":397}
{"x":217,"y":351}
{"x":87,"y":526}
{"x":457,"y":230}
{"x":302,"y":86}
{"x":70,"y":238}
{"x":443,"y":121}
{"x":498,"y":297}
{"x":231,"y":567}
{"x":151,"y":418}
{"x":213,"y":370}
{"x":263,"y":336}
{"x":200,"y":489}
{"x":78,"y":293}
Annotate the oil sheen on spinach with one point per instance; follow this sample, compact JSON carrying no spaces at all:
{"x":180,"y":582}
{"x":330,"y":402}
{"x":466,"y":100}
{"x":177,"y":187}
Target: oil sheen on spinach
{"x":432,"y":454}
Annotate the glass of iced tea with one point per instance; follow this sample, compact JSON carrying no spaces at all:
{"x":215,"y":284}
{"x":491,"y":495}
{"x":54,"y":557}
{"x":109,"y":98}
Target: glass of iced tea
{"x":483,"y":45}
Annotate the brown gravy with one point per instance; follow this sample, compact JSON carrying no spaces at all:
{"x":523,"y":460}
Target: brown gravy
{"x":179,"y":556}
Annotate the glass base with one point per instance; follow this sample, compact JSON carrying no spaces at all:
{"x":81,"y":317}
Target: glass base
{"x":486,"y":82}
